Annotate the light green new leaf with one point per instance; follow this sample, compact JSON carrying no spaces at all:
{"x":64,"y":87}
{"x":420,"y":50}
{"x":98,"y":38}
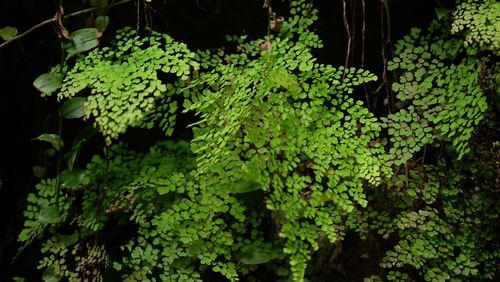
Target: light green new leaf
{"x":73,"y":108}
{"x":56,"y":141}
{"x":8,"y":32}
{"x":48,"y":82}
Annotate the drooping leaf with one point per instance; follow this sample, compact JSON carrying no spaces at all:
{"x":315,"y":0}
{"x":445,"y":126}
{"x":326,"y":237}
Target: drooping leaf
{"x":83,"y":40}
{"x":48,"y":82}
{"x":71,"y":178}
{"x":56,"y":141}
{"x":8,"y":32}
{"x":73,"y":108}
{"x":50,"y":214}
{"x":50,"y":276}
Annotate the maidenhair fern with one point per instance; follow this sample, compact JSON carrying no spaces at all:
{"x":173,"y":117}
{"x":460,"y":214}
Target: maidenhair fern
{"x":124,"y":84}
{"x":481,"y":19}
{"x":442,"y":90}
{"x":443,"y":227}
{"x":282,"y":158}
{"x":443,"y":215}
{"x":280,"y":122}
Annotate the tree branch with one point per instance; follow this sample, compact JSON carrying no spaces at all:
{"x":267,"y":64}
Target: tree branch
{"x":53,"y":19}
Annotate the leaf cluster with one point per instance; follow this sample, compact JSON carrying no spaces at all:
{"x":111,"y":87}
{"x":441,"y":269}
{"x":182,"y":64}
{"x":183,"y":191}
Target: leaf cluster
{"x":124,"y":84}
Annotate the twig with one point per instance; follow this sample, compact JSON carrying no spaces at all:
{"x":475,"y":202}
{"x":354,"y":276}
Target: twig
{"x":363,"y":36}
{"x":349,"y":39}
{"x":67,"y":16}
{"x":138,"y":19}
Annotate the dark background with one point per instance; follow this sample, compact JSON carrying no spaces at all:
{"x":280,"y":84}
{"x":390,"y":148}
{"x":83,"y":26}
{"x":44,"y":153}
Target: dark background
{"x":201,"y":24}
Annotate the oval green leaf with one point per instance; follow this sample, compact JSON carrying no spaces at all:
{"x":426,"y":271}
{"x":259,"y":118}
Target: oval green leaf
{"x":56,"y":141}
{"x":48,"y":82}
{"x":83,"y":40}
{"x":73,"y":108}
{"x":8,"y":32}
{"x":71,"y":178}
{"x":50,"y":214}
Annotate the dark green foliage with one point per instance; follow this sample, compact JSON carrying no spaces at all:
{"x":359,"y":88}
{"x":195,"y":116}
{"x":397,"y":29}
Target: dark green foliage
{"x":444,"y":221}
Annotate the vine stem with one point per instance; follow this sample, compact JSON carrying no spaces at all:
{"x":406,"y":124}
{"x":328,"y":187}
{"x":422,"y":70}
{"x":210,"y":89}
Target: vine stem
{"x":53,"y":19}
